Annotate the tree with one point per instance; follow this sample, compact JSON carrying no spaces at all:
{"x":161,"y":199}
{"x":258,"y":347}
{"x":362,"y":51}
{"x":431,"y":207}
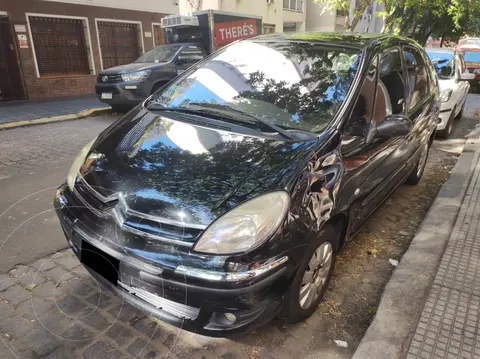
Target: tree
{"x":343,"y":7}
{"x":421,"y":19}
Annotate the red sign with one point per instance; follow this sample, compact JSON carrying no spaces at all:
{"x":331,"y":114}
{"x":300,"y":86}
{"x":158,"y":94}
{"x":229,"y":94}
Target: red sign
{"x":226,"y":32}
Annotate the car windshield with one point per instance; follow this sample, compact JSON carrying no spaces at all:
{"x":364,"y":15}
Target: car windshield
{"x":159,"y":54}
{"x":292,"y":85}
{"x":444,"y":63}
{"x":472,"y":56}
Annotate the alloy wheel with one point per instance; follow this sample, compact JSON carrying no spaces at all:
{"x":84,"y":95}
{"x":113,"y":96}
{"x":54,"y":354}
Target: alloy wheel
{"x":316,"y":275}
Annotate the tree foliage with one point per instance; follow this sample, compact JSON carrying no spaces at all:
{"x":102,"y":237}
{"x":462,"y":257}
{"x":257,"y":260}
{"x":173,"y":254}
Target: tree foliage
{"x":419,"y":19}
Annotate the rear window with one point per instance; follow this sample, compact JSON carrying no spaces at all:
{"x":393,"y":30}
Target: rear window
{"x":472,"y":56}
{"x":444,"y":63}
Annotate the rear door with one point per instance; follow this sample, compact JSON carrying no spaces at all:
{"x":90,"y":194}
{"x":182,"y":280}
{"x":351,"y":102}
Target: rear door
{"x":188,"y":56}
{"x":464,"y":86}
{"x":420,"y":102}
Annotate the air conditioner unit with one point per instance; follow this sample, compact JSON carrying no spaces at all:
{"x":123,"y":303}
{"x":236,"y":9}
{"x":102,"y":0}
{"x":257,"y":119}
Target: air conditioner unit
{"x":179,"y":20}
{"x":270,"y":1}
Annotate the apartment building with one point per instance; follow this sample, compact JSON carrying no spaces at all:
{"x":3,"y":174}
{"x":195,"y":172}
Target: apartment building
{"x":277,"y":15}
{"x":51,"y":48}
{"x":319,"y":19}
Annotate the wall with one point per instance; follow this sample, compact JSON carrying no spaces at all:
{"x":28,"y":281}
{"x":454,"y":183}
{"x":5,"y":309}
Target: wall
{"x":318,"y":19}
{"x":69,"y":85}
{"x":270,"y":13}
{"x":186,"y":7}
{"x":162,"y":6}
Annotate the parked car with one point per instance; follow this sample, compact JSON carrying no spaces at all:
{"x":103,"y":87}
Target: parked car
{"x":471,"y":54}
{"x":222,"y":200}
{"x":123,"y":87}
{"x":454,"y":86}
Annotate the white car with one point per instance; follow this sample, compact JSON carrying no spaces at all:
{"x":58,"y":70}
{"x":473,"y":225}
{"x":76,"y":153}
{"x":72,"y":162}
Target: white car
{"x":453,"y":79}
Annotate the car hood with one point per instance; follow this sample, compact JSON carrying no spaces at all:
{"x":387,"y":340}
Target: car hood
{"x":170,"y":168}
{"x":123,"y":69}
{"x":446,"y":84}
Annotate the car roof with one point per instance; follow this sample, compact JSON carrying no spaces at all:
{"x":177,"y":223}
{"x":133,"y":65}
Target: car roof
{"x":355,"y":40}
{"x":440,"y":49}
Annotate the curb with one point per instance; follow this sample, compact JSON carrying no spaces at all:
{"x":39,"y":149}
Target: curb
{"x":391,"y":331}
{"x":53,"y":119}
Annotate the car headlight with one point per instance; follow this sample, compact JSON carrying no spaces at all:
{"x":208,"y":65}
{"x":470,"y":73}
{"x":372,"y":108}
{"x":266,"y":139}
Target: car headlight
{"x":245,"y":227}
{"x":136,"y":76}
{"x":445,"y":95}
{"x":77,"y":163}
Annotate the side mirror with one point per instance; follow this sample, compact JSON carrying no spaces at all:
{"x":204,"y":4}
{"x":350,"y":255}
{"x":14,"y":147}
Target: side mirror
{"x":184,"y":59}
{"x":467,"y":76}
{"x":392,"y":126}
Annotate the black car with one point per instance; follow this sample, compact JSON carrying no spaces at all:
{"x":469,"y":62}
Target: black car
{"x":222,"y":200}
{"x":123,"y":87}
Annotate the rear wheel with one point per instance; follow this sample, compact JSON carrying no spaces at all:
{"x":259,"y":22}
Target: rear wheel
{"x":417,"y":173}
{"x":312,"y":277}
{"x":460,"y":114}
{"x":448,"y":129}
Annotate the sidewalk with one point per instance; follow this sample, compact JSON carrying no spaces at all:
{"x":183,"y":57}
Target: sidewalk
{"x":431,"y":306}
{"x":21,"y":111}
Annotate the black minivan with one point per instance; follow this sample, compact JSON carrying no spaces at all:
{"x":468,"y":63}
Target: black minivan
{"x":222,"y":200}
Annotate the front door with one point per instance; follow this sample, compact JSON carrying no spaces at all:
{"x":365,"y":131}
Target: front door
{"x":11,"y":83}
{"x":386,"y":157}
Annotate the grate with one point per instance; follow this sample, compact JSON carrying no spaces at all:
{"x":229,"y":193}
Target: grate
{"x":118,"y":42}
{"x":159,"y":35}
{"x":60,"y":46}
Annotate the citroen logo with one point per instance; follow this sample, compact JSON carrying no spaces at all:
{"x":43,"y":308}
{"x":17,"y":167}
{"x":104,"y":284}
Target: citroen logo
{"x":105,"y":78}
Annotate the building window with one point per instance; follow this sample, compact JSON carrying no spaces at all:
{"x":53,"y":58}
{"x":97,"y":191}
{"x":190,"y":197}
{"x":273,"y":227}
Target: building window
{"x":268,"y":29}
{"x":60,"y":46}
{"x":296,"y":5}
{"x":120,"y":42}
{"x":342,"y":12}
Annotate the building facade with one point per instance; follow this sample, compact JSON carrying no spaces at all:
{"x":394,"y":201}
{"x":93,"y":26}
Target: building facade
{"x":51,"y":48}
{"x":277,"y":15}
{"x":320,"y":19}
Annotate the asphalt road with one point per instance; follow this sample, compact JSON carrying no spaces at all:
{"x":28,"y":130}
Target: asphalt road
{"x":33,"y":162}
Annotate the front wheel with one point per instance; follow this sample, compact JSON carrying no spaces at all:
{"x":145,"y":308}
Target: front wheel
{"x":417,"y":173}
{"x":312,"y":277}
{"x":448,"y":128}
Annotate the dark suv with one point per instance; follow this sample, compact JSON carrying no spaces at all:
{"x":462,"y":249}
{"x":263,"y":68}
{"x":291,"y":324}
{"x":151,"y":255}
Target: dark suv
{"x":123,"y":87}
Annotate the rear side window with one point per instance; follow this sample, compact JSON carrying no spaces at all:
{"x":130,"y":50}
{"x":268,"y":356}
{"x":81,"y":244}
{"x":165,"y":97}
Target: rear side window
{"x":417,"y":78}
{"x":390,"y":95}
{"x":192,"y":51}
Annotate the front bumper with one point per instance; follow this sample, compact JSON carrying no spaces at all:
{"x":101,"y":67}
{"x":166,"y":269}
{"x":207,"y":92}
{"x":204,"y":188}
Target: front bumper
{"x":444,"y":116}
{"x":123,"y":93}
{"x":192,"y":305}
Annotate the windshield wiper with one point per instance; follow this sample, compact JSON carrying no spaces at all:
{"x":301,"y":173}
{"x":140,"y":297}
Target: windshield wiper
{"x":219,"y":113}
{"x":227,"y":108}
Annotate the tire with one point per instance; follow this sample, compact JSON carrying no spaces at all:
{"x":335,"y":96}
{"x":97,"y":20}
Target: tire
{"x":460,"y":114}
{"x":417,"y":173}
{"x":293,"y":311}
{"x":158,"y":85}
{"x":120,"y":108}
{"x":448,"y":129}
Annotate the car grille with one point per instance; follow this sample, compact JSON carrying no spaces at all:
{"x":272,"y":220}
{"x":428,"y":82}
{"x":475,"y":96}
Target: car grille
{"x":113,"y":209}
{"x":109,"y":78}
{"x":102,"y":89}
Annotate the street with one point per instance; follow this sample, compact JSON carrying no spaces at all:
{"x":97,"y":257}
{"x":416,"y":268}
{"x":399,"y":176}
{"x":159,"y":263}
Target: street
{"x":51,"y":308}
